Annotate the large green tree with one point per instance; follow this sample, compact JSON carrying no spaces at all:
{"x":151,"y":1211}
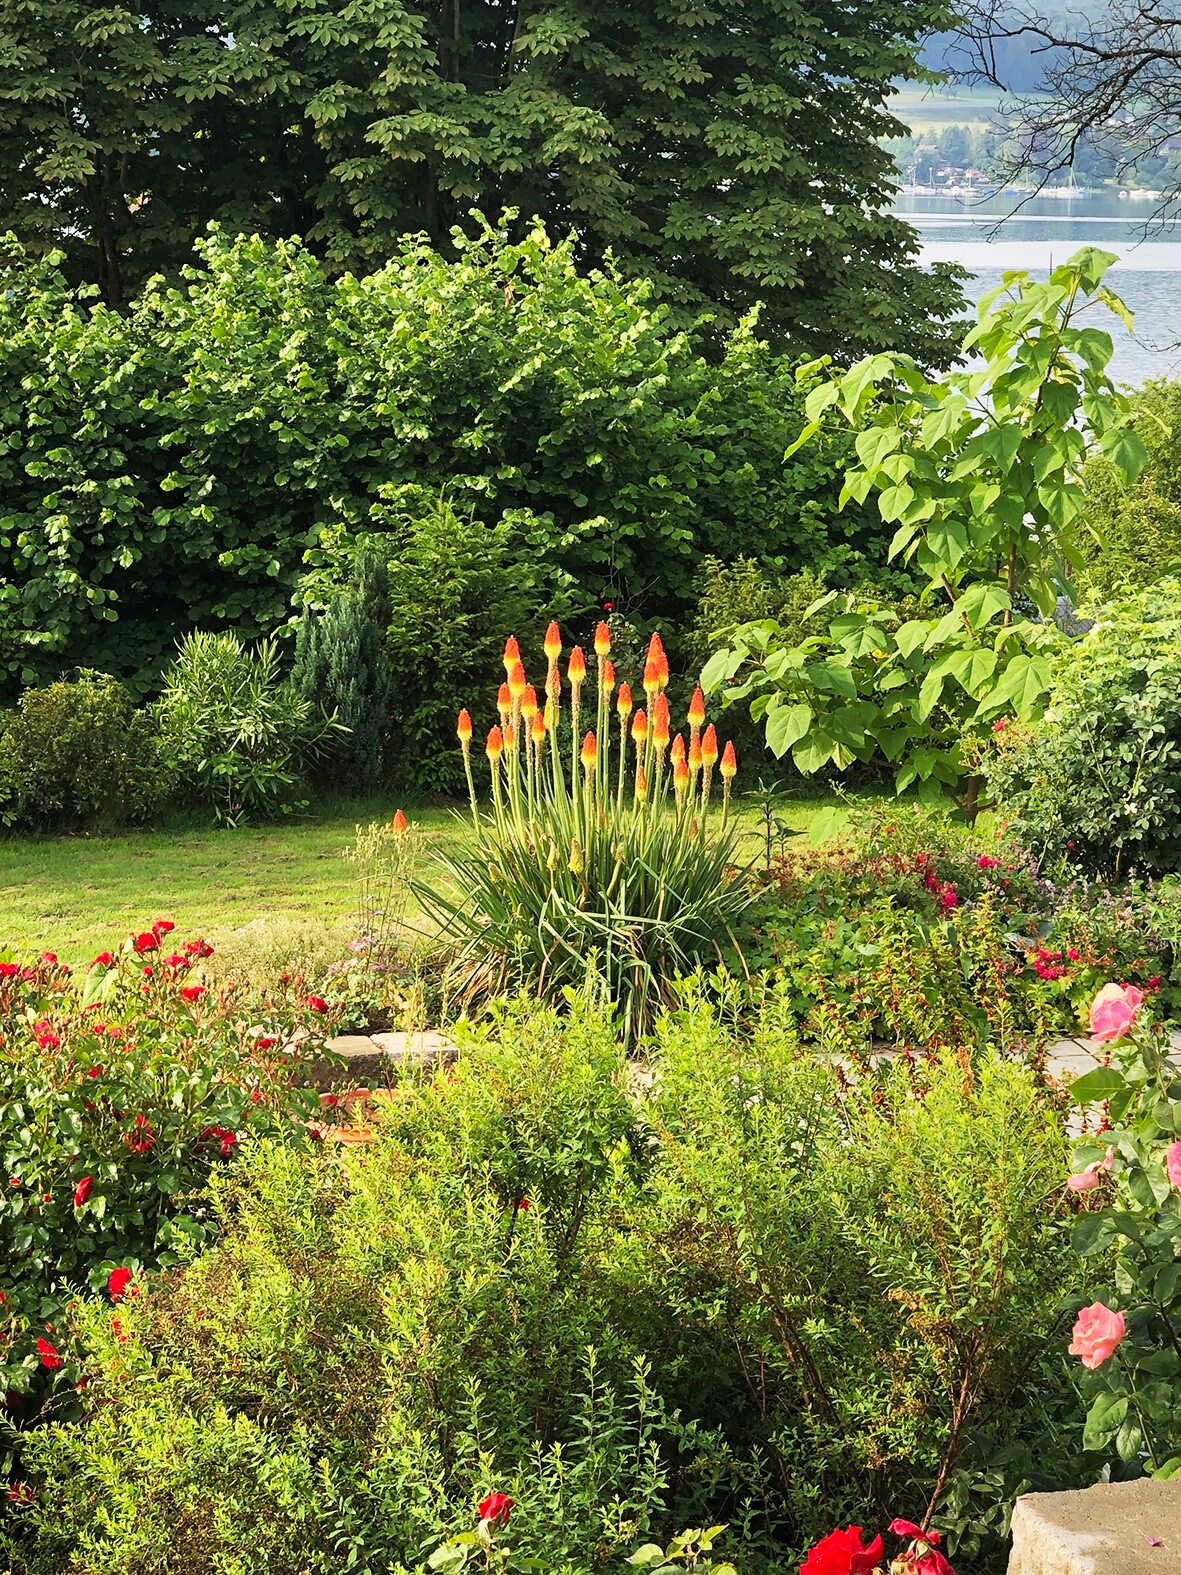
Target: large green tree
{"x":728,"y":149}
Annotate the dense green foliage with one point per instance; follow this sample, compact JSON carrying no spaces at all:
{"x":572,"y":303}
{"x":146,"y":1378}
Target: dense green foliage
{"x":1097,"y":779}
{"x":732,"y":155}
{"x":979,"y":475}
{"x":169,"y":469}
{"x":78,"y":755}
{"x":1137,"y":529}
{"x":631,"y":1310}
{"x":239,"y":737}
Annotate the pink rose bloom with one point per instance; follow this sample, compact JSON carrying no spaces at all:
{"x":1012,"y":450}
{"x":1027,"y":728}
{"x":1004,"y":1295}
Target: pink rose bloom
{"x":1097,"y":1334}
{"x":1113,"y":1011}
{"x":1087,"y":1179}
{"x":1173,"y":1165}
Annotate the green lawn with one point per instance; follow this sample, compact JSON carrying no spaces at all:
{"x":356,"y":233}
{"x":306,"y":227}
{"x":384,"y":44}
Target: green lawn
{"x":75,"y":895}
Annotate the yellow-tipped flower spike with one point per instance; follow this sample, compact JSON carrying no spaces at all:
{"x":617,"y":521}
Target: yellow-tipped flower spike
{"x":662,"y":670}
{"x":697,"y":708}
{"x":495,"y":746}
{"x":640,"y":727}
{"x":623,"y":701}
{"x":660,"y":722}
{"x":651,"y":678}
{"x":729,"y":766}
{"x":709,"y":745}
{"x":695,"y":755}
{"x":602,"y":640}
{"x":398,"y":825}
{"x":576,"y":671}
{"x":680,"y":777}
{"x":678,"y":749}
{"x":510,"y":738}
{"x":529,"y":706}
{"x":463,"y":729}
{"x":512,"y":653}
{"x":607,"y":677}
{"x":553,"y":643}
{"x":655,"y":648}
{"x":517,"y":682}
{"x":641,"y":781}
{"x":537,"y":728}
{"x":504,"y":701}
{"x":590,"y":753}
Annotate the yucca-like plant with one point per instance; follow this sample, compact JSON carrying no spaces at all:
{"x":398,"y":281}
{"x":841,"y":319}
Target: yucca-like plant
{"x":607,"y":860}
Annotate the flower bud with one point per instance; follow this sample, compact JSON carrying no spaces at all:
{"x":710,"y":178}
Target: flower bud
{"x":529,"y":706}
{"x":576,"y":671}
{"x":607,"y":677}
{"x":398,"y":824}
{"x":495,"y":746}
{"x":553,"y":643}
{"x":517,"y":683}
{"x":640,"y":726}
{"x":590,"y":752}
{"x":602,"y":640}
{"x":697,"y":708}
{"x":729,"y":767}
{"x":623,"y":701}
{"x":709,"y":745}
{"x":512,"y":652}
{"x":463,"y":728}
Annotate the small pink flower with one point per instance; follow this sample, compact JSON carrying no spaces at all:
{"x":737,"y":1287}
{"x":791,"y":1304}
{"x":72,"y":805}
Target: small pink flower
{"x":1096,"y":1335}
{"x":1113,"y":1011}
{"x":1173,"y":1165}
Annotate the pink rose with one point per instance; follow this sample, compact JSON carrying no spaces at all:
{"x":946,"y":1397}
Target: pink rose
{"x":1097,"y":1334}
{"x":1087,"y":1179}
{"x":1113,"y":1011}
{"x":1173,"y":1165}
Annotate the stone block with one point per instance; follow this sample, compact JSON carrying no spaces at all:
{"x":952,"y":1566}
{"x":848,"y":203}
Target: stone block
{"x":1114,"y":1528}
{"x":374,"y":1060}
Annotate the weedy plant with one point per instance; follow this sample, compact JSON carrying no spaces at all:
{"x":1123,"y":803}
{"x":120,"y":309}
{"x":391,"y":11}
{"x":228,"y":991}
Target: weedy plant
{"x":605,"y":858}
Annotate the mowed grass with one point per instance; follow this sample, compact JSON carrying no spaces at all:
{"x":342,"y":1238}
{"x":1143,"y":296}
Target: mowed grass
{"x":77,"y":895}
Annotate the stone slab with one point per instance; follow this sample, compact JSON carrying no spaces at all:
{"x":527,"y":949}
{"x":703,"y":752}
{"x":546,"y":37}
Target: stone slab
{"x":373,"y":1060}
{"x":1114,"y":1528}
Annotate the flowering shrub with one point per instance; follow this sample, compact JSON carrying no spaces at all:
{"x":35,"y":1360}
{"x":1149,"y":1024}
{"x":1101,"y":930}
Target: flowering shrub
{"x":1127,"y":1172}
{"x":119,"y":1091}
{"x":605,"y":858}
{"x":847,"y":1553}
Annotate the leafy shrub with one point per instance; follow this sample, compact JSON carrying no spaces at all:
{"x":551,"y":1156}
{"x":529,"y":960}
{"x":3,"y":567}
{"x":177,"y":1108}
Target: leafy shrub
{"x":454,"y":584}
{"x":79,"y":755}
{"x":1096,"y":782}
{"x":239,"y":736}
{"x":160,"y":477}
{"x":584,"y":872}
{"x":1138,"y":527}
{"x":630,"y":1310}
{"x":118,"y":1092}
{"x":341,"y":666}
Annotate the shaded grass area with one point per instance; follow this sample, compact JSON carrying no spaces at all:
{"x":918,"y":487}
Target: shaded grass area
{"x":75,"y":895}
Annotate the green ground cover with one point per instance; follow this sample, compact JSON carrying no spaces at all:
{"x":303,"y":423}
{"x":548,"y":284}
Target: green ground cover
{"x":71,"y":895}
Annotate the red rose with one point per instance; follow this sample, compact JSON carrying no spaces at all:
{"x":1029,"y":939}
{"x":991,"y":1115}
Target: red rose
{"x":9,"y":970}
{"x":192,"y":992}
{"x":316,"y":1003}
{"x":118,"y":1282}
{"x":843,"y":1553}
{"x":163,"y":927}
{"x":265,"y":1041}
{"x":145,"y":942}
{"x":907,"y":1528}
{"x":96,"y":1071}
{"x":48,"y":957}
{"x":83,"y":1190}
{"x":177,"y":961}
{"x":933,"y":1563}
{"x":103,"y":960}
{"x":496,"y":1509}
{"x":50,"y":1359}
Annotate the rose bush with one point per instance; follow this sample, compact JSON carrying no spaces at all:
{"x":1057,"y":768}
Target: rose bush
{"x":119,"y":1090}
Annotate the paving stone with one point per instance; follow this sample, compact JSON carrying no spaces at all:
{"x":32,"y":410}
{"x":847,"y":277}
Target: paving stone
{"x":373,"y":1060}
{"x":1114,"y":1528}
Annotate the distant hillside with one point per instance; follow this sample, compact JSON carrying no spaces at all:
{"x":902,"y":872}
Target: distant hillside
{"x":1019,"y":69}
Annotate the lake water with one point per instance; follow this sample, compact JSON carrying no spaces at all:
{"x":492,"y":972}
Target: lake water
{"x":992,"y":235}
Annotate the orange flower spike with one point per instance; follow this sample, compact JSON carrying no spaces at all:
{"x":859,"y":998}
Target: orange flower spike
{"x":695,"y":755}
{"x":553,"y":643}
{"x":623,"y":701}
{"x":495,"y":746}
{"x":537,"y":728}
{"x":709,"y":745}
{"x":678,"y":750}
{"x":680,"y":777}
{"x":590,"y":753}
{"x":607,"y":677}
{"x":641,"y":782}
{"x":504,"y":701}
{"x":529,"y":706}
{"x":697,"y":709}
{"x":660,"y":722}
{"x":463,"y":729}
{"x":510,"y":738}
{"x":602,"y":640}
{"x":729,"y":767}
{"x":398,"y":825}
{"x":512,"y":653}
{"x":576,"y":671}
{"x":517,"y":682}
{"x":655,"y":648}
{"x":651,"y":677}
{"x":662,"y":670}
{"x":640,"y":727}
